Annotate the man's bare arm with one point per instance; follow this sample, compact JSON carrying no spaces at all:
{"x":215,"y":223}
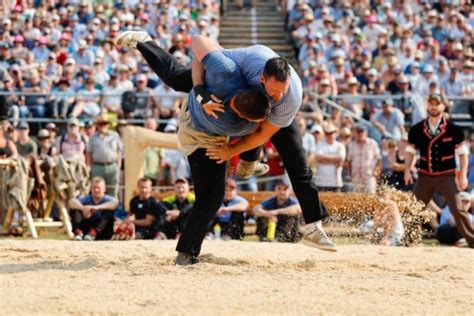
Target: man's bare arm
{"x":224,"y":152}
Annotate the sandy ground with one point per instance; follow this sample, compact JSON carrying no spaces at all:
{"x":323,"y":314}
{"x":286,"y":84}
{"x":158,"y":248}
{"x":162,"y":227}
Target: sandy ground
{"x":46,"y":277}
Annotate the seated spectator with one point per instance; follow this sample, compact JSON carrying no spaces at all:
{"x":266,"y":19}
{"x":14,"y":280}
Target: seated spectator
{"x":230,"y":216}
{"x":447,"y":233}
{"x":45,"y":146}
{"x":330,"y":157}
{"x":168,"y":103}
{"x":112,"y":101}
{"x":62,"y":98}
{"x":35,"y":104}
{"x":25,"y":145}
{"x":93,"y":214}
{"x":145,"y":104}
{"x":179,"y":204}
{"x":88,"y":101}
{"x":147,"y":215}
{"x":282,"y":210}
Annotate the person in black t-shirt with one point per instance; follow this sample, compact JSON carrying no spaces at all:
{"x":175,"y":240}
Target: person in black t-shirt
{"x":179,"y":204}
{"x":147,"y":215}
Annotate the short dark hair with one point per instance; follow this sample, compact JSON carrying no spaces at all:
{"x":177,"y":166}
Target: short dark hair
{"x":144,"y":179}
{"x":252,"y":104}
{"x":277,"y":67}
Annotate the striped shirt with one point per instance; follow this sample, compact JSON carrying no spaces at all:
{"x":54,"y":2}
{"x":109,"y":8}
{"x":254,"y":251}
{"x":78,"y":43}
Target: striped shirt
{"x":224,"y":80}
{"x":251,"y":61}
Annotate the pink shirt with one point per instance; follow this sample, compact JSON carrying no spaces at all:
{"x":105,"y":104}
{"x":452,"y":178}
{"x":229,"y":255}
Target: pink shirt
{"x":71,"y":149}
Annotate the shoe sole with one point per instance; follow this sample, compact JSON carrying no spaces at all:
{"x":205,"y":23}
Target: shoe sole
{"x":256,"y":173}
{"x":320,"y":247}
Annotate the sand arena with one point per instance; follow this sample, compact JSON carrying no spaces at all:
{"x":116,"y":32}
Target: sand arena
{"x":47,"y":277}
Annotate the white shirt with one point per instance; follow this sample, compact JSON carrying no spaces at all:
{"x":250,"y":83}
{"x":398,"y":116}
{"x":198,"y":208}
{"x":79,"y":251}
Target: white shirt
{"x":166,"y":96}
{"x":329,"y":175}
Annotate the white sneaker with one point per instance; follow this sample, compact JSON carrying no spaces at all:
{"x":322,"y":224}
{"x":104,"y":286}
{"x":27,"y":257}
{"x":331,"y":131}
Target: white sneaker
{"x":315,"y":236}
{"x":130,"y":39}
{"x":246,"y":169}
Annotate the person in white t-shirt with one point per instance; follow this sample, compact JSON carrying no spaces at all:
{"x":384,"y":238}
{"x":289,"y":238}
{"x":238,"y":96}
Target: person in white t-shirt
{"x":330,"y":156}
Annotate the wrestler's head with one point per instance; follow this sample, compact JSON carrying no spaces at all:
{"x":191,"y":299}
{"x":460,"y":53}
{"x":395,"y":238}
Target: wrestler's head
{"x":276,"y":78}
{"x":251,"y":105}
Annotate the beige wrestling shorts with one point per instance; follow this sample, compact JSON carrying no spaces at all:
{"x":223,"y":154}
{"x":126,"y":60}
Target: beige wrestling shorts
{"x":190,"y":139}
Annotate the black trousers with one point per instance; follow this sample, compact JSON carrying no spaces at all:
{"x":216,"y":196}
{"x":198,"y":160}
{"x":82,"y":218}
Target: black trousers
{"x":104,"y":225}
{"x":209,"y":182}
{"x":287,"y":140}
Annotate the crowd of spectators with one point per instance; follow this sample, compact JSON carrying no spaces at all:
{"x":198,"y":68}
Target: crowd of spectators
{"x":347,"y":51}
{"x":67,"y":46}
{"x":407,"y":49}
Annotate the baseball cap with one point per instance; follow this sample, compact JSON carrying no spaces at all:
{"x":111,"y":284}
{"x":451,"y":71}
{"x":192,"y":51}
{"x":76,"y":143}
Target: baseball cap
{"x":23,"y":125}
{"x":428,"y":68}
{"x":352,"y":81}
{"x":51,"y":126}
{"x":403,"y":79}
{"x":387,"y":102}
{"x":361,"y":127}
{"x":464,"y":196}
{"x":181,"y":180}
{"x":372,"y":71}
{"x":316,"y":129}
{"x":73,"y":121}
{"x":43,"y":133}
{"x":141,"y":77}
{"x":435,"y":97}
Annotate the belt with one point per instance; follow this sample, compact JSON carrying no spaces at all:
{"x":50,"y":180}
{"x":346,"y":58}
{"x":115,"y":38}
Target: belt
{"x":103,"y":163}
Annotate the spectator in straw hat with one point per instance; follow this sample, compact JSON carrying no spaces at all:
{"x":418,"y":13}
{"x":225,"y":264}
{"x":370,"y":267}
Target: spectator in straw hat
{"x":104,"y":154}
{"x":330,"y":157}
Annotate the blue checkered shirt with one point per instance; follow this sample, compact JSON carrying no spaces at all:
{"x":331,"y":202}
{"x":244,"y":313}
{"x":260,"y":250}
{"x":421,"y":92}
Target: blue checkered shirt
{"x":251,"y":61}
{"x":223,"y":79}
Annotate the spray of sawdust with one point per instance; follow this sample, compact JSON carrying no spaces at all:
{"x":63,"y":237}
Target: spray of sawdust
{"x":355,"y":209}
